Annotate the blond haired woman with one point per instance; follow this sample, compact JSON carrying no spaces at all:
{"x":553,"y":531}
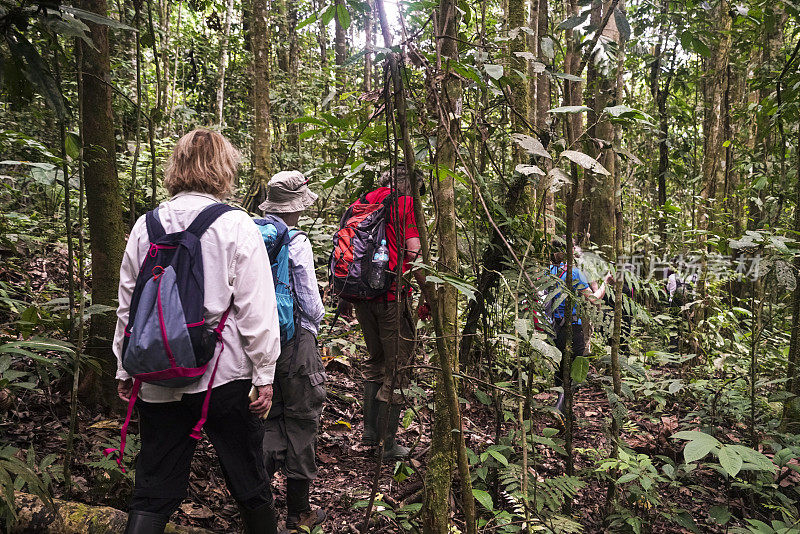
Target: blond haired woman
{"x":237,"y":277}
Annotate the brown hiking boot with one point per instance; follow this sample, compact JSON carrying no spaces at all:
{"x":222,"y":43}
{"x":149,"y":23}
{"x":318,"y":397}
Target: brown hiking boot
{"x":310,"y":519}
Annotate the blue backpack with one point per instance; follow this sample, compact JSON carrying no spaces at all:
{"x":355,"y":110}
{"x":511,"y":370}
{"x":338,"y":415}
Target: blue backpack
{"x":277,"y":237}
{"x":167,"y":342}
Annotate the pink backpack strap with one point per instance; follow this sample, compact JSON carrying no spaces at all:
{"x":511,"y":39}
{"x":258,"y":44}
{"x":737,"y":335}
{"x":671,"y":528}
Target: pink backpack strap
{"x":198,"y":428}
{"x":119,"y":453}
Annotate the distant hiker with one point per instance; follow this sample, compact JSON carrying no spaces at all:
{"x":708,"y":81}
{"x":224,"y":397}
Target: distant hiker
{"x":363,"y":274}
{"x":680,"y":290}
{"x":197,"y":255}
{"x":563,"y":326}
{"x":293,"y":422}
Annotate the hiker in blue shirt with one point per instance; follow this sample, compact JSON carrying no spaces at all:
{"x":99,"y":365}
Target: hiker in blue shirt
{"x":563,"y":325}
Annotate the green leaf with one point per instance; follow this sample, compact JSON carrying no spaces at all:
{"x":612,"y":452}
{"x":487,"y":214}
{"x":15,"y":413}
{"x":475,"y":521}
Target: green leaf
{"x":622,"y":24}
{"x":730,"y":460}
{"x":343,"y":16}
{"x":94,"y":17}
{"x":531,"y":145}
{"x":527,"y":170}
{"x":697,"y":449}
{"x":750,"y":456}
{"x":484,"y":498}
{"x":719,"y":514}
{"x":494,"y":71}
{"x":313,"y":18}
{"x":327,"y":16}
{"x":36,"y":71}
{"x":570,"y":109}
{"x":573,"y":22}
{"x":580,"y":368}
{"x":627,"y":477}
{"x":499,"y":457}
{"x":585,"y":161}
{"x":73,"y":145}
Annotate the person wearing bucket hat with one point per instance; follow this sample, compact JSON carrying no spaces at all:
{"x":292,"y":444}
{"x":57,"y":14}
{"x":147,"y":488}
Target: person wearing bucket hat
{"x":299,"y":387}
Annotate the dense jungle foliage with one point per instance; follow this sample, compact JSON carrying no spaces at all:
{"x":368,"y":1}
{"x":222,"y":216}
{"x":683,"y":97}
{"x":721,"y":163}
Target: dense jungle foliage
{"x":661,"y":136}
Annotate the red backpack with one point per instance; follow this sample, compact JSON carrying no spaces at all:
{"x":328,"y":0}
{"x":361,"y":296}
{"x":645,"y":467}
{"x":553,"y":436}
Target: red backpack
{"x":361,"y":230}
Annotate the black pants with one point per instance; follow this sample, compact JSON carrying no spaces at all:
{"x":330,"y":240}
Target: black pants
{"x":298,"y":395}
{"x":164,"y":462}
{"x":578,"y":345}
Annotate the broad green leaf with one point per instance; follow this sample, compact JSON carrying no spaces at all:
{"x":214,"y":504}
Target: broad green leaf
{"x":580,"y":368}
{"x":750,"y":456}
{"x":343,"y":16}
{"x":548,"y":47}
{"x":531,"y":145}
{"x":697,"y":449}
{"x":497,"y":456}
{"x":36,"y":71}
{"x":573,"y":22}
{"x":73,"y":145}
{"x":327,"y":16}
{"x":94,"y":17}
{"x":527,"y":170}
{"x":495,"y":72}
{"x":627,"y":477}
{"x":484,"y":498}
{"x":585,"y":161}
{"x":622,"y":24}
{"x":719,"y":514}
{"x":730,"y":460}
{"x":569,"y":109}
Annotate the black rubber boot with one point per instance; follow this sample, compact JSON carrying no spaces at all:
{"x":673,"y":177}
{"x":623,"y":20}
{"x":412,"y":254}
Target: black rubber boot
{"x":259,"y":521}
{"x":298,"y":509}
{"x":369,"y":436}
{"x":391,"y":449}
{"x":140,"y":522}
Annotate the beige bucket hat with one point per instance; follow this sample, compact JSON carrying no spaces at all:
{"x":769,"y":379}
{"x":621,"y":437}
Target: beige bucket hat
{"x":288,"y":192}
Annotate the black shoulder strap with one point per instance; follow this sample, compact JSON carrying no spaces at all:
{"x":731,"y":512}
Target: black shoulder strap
{"x":206,"y":217}
{"x":296,"y":233}
{"x":154,"y":229}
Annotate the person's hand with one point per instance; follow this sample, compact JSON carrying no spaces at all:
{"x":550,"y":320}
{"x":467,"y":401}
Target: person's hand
{"x":262,"y":404}
{"x":124,"y":389}
{"x":424,"y":311}
{"x":609,"y":278}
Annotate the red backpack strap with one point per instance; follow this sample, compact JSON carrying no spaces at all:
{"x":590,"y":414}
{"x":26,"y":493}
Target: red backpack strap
{"x":119,"y":453}
{"x":198,"y":428}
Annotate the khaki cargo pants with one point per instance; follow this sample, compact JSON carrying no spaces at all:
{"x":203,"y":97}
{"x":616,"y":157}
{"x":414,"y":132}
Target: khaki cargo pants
{"x":298,"y":393}
{"x":379,"y":323}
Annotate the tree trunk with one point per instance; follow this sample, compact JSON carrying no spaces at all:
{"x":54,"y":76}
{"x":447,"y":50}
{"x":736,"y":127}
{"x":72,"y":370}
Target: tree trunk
{"x":714,"y":134}
{"x":295,"y":108}
{"x":518,"y":87}
{"x":262,"y":139}
{"x":103,"y":199}
{"x":223,"y":64}
{"x":600,"y":189}
{"x":369,"y":39}
{"x":543,"y":100}
{"x":447,"y":431}
{"x":340,"y":47}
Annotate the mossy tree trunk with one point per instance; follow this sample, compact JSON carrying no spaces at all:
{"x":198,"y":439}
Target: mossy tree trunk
{"x":103,"y":198}
{"x":262,"y":138}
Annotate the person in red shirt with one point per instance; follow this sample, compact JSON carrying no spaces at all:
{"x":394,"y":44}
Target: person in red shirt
{"x":385,"y":369}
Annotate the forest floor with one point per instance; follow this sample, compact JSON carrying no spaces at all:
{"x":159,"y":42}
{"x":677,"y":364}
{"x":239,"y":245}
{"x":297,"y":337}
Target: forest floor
{"x":39,"y":420}
{"x":346,"y":468}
